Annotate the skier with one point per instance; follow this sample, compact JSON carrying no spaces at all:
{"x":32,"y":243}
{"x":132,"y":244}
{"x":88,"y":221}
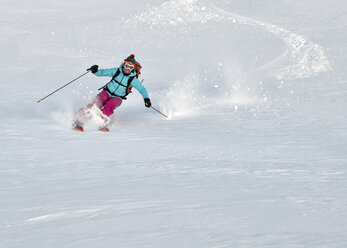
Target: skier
{"x":114,"y":92}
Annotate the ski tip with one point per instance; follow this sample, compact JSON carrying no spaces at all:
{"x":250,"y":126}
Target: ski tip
{"x":78,"y":128}
{"x":104,"y":129}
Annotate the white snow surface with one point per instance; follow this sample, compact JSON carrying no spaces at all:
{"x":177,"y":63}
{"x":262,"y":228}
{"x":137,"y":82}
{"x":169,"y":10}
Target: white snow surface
{"x":253,"y":153}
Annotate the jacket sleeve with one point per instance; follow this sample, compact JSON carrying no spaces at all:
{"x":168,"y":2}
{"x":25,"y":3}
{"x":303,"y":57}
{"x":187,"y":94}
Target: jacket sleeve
{"x":106,"y":72}
{"x":137,"y":85}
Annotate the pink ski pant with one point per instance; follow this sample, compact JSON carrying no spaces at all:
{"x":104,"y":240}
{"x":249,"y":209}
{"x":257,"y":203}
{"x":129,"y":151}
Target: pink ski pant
{"x":106,"y":103}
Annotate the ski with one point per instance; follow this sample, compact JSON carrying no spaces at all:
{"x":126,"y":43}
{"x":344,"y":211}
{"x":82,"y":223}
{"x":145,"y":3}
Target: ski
{"x":78,"y":128}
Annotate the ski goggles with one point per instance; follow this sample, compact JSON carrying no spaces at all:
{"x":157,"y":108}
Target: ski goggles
{"x":128,"y":66}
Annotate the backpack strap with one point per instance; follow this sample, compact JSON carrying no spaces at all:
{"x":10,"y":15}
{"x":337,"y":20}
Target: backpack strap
{"x":130,"y":80}
{"x":116,"y":74}
{"x":128,"y":90}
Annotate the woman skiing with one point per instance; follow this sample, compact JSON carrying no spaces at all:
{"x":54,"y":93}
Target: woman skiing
{"x":114,"y":92}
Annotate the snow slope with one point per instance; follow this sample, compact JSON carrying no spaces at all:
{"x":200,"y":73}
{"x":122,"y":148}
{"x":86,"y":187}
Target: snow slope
{"x":254,"y":151}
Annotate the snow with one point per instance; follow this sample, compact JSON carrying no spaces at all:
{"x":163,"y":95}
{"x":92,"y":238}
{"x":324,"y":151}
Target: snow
{"x":253,"y":153}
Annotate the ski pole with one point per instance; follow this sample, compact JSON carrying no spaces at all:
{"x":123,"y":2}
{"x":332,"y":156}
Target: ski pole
{"x":159,"y":112}
{"x":155,"y":108}
{"x":62,"y":87}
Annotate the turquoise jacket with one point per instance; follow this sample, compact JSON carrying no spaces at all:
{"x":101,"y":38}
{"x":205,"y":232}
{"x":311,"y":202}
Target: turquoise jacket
{"x":119,"y":88}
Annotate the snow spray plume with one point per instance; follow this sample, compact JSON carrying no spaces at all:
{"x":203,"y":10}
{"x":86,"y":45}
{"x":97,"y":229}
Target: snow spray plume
{"x":63,"y":86}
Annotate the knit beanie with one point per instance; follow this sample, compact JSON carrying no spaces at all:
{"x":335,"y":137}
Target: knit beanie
{"x":131,"y":59}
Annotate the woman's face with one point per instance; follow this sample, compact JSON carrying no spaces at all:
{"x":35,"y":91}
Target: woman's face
{"x":128,"y":68}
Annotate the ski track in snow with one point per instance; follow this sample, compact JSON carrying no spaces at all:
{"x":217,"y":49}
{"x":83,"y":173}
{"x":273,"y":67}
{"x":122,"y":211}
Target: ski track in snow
{"x":305,"y":57}
{"x":301,"y":59}
{"x":119,"y":208}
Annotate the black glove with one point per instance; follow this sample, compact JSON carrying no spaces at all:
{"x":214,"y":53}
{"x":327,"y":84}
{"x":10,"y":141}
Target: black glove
{"x":148,"y":103}
{"x":93,"y":69}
